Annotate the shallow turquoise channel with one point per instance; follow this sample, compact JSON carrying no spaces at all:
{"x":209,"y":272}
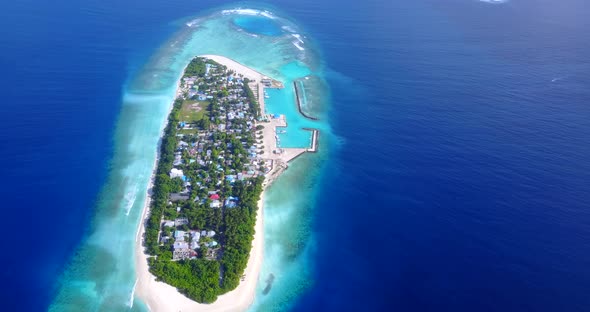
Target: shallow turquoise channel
{"x":258,"y":25}
{"x":283,"y":102}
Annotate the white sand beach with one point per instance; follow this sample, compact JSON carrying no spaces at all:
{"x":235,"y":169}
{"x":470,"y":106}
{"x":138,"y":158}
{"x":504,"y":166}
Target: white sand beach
{"x":235,"y":66}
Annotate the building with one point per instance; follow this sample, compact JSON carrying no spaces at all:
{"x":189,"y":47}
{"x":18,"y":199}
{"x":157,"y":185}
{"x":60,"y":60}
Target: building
{"x":176,"y":173}
{"x":182,"y":251}
{"x":169,"y":223}
{"x":180,"y":245}
{"x":211,"y":244}
{"x":174,"y":197}
{"x":179,"y":236}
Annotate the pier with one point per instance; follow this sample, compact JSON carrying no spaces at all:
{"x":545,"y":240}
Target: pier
{"x":271,"y":150}
{"x":278,"y":156}
{"x":314,"y":139}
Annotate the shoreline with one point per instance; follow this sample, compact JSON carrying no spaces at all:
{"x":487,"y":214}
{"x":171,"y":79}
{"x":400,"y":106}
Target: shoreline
{"x":159,"y":296}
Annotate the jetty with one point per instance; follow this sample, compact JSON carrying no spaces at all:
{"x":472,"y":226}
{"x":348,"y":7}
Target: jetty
{"x":314,"y":139}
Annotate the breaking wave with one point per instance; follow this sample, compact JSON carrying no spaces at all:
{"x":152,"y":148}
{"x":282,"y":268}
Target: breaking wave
{"x":494,"y":1}
{"x":298,"y":37}
{"x":130,"y":199}
{"x":249,"y":12}
{"x":288,"y":28}
{"x":298,"y":46}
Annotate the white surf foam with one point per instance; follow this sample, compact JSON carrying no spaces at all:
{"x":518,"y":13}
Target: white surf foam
{"x":494,"y":1}
{"x":253,"y":12}
{"x":298,"y":46}
{"x":267,"y":14}
{"x":131,"y":297}
{"x":557,"y":79}
{"x":298,"y":37}
{"x":130,"y":200}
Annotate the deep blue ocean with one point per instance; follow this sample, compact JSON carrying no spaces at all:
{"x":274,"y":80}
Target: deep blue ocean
{"x":461,"y":176}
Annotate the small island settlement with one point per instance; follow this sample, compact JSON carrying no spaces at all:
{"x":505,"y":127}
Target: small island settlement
{"x":218,"y":151}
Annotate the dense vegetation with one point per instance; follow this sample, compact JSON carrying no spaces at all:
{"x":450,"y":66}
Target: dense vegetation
{"x":239,"y":232}
{"x":197,"y":67}
{"x":203,"y":279}
{"x":254,"y":108}
{"x":197,"y":279}
{"x":162,"y":185}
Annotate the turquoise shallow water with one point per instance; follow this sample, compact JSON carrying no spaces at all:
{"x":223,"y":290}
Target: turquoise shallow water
{"x":314,"y":96}
{"x":283,"y":101}
{"x":260,"y":25}
{"x":102,"y":274}
{"x":289,"y":243}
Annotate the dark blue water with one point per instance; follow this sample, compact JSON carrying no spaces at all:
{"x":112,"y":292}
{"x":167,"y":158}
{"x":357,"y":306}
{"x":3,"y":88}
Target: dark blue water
{"x":461,"y":182}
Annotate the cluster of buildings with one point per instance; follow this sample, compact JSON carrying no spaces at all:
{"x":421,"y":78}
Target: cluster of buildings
{"x":187,"y":243}
{"x":224,"y":150}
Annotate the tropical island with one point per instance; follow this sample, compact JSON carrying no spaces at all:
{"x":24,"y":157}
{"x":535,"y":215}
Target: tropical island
{"x":218,"y":152}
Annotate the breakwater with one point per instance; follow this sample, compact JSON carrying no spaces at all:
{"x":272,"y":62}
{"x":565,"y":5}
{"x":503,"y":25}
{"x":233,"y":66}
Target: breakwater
{"x":298,"y":98}
{"x":314,"y":139}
